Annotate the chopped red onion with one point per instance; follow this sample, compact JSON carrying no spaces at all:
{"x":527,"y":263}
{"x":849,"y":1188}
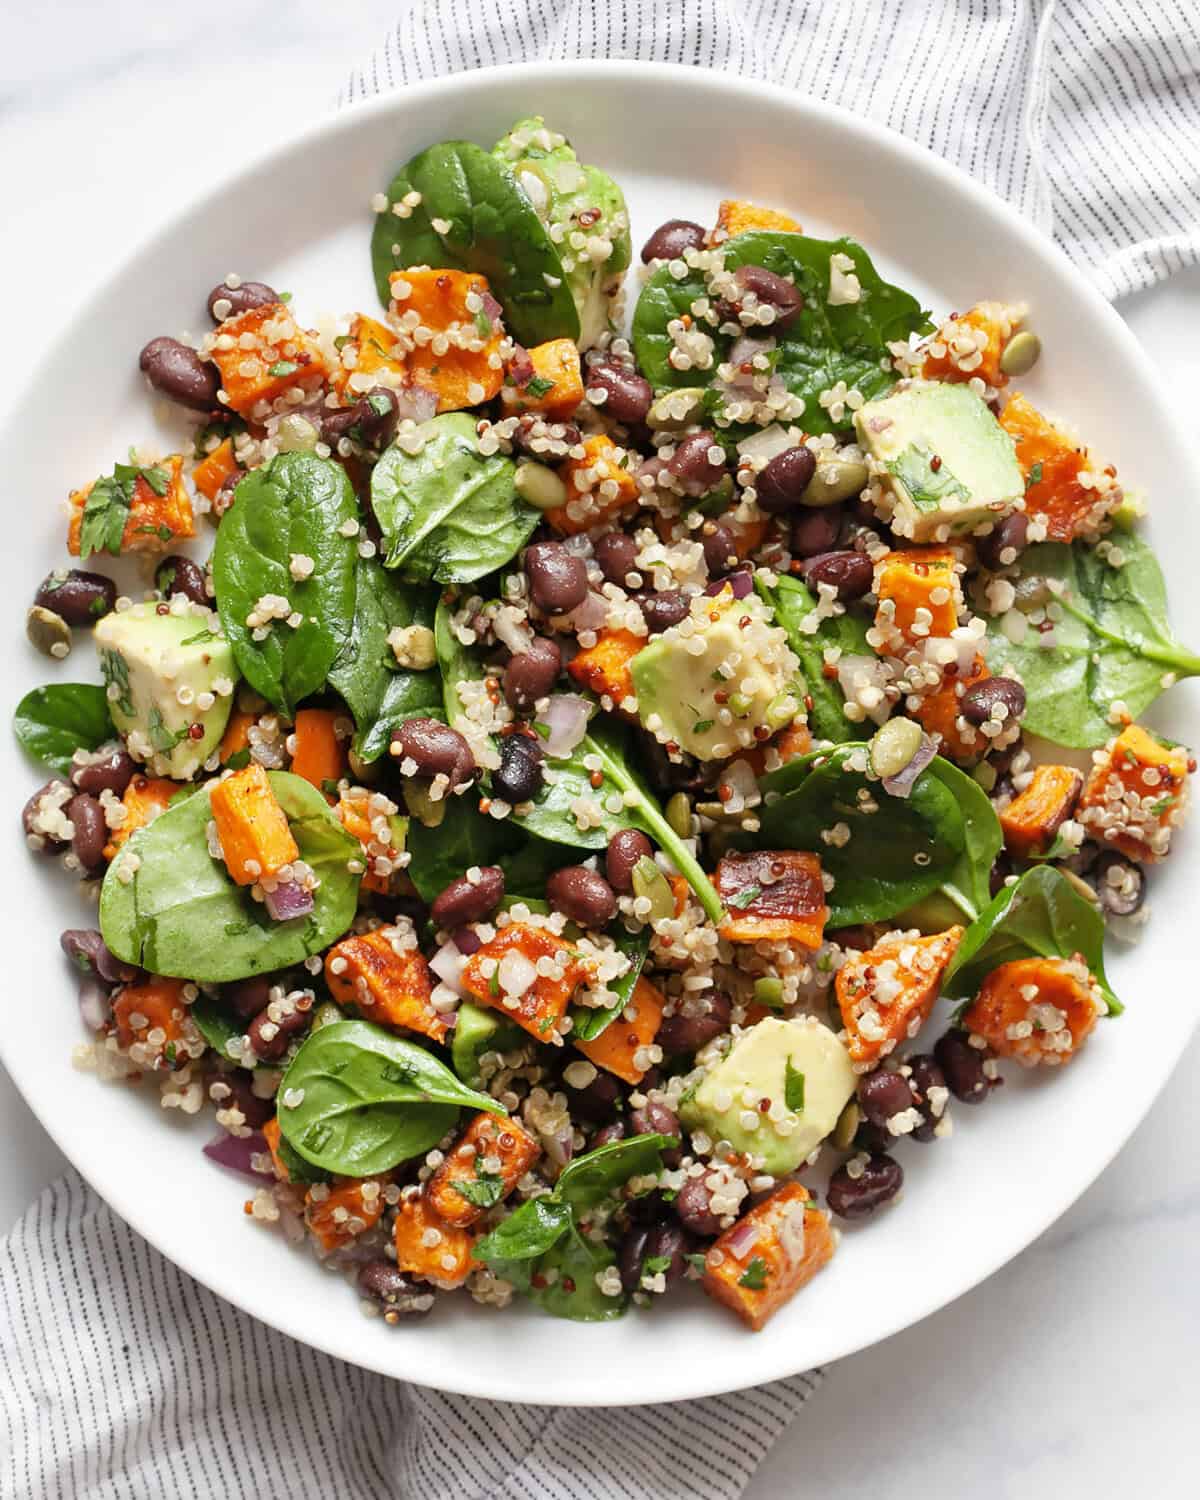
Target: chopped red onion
{"x":289,"y":900}
{"x":416,"y":403}
{"x":741,"y":353}
{"x":742,"y":1239}
{"x":903,"y":782}
{"x":94,"y":1005}
{"x":466,"y":940}
{"x":566,"y":717}
{"x":492,"y":308}
{"x":520,"y":366}
{"x":592,"y":614}
{"x":741,"y":582}
{"x":236,"y":1152}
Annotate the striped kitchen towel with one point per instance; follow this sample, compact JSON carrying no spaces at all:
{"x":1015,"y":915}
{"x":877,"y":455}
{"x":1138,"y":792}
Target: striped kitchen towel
{"x":1085,"y":114}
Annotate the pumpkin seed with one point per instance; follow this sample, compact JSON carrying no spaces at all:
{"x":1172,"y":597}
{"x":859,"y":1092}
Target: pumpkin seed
{"x":781,"y":711}
{"x":985,"y":775}
{"x":421,"y":804}
{"x":1080,"y":885}
{"x":366,"y":771}
{"x":326,"y":1014}
{"x":650,"y":884}
{"x":49,"y":632}
{"x":1020,"y":354}
{"x":673,"y":410}
{"x":769,"y":992}
{"x":679,"y":815}
{"x":296,"y":434}
{"x":893,"y":746}
{"x":835,"y":479}
{"x":847,"y":1126}
{"x":540,"y":486}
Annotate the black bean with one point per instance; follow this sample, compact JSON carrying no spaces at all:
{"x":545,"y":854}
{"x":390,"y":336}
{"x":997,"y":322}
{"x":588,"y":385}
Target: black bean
{"x":670,"y":240}
{"x":1005,"y":542}
{"x":627,"y":395}
{"x":531,"y":675}
{"x":435,"y":749}
{"x":850,"y":573}
{"x":630,"y":1255}
{"x":624,"y":850}
{"x":872,"y":1138}
{"x":78,"y":597}
{"x":686,"y":1033}
{"x":272,"y":1046}
{"x":963,"y":1066}
{"x":246,"y":997}
{"x":667,"y":1241}
{"x":382,"y":1281}
{"x":720,"y":549}
{"x":663,"y":609}
{"x":177,"y":574}
{"x":815,"y":532}
{"x":378,"y":414}
{"x":88,"y":951}
{"x":616,"y":553}
{"x":978,"y":703}
{"x":241,"y":298}
{"x":778,"y":292}
{"x":557,"y":578}
{"x":111,"y":769}
{"x":857,"y":938}
{"x":537,"y":438}
{"x":693,"y":1207}
{"x":1120,"y":883}
{"x":856,"y":1197}
{"x":465,"y":901}
{"x":608,"y":1134}
{"x":581,"y":895}
{"x":781,"y":484}
{"x":91,"y":831}
{"x":180,"y":374}
{"x":598,"y":1101}
{"x":652,"y":472}
{"x":882,"y":1095}
{"x":926,"y":1075}
{"x":692,"y":465}
{"x":1002,"y":866}
{"x":656,"y":1118}
{"x":520,"y":776}
{"x":241,"y":1096}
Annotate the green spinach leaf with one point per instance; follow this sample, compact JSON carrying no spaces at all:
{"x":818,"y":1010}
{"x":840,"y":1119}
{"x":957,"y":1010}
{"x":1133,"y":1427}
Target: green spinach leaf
{"x":590,"y":1022}
{"x":589,"y":1179}
{"x":456,"y":662}
{"x":295,"y":504}
{"x":792,"y":602}
{"x":968,"y":883}
{"x":54,"y":721}
{"x":564,"y":1280}
{"x":463,"y":838}
{"x":215,"y":1024}
{"x":528,"y":1232}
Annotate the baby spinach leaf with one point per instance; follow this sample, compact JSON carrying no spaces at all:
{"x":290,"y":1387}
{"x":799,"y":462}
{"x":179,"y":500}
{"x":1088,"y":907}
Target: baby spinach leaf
{"x":485,"y":223}
{"x":589,"y":1179}
{"x":590,"y":1022}
{"x":215,"y":1024}
{"x":181,"y":914}
{"x":1112,"y":643}
{"x":363,"y":1100}
{"x":449,"y":512}
{"x":380,"y":694}
{"x":528,"y":1232}
{"x":1041,"y":915}
{"x":54,"y":721}
{"x":822,"y":345}
{"x":527,"y":870}
{"x":298,"y":1169}
{"x":456,"y":662}
{"x":792,"y":602}
{"x":463,"y":838}
{"x":564,"y":1281}
{"x":968,"y":883}
{"x":295,"y":504}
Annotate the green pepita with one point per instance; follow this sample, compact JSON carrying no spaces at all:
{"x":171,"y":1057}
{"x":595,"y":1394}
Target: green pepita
{"x":679,"y":815}
{"x":650,"y":884}
{"x":835,"y":479}
{"x":674,"y":410}
{"x":49,"y":632}
{"x":985,"y":775}
{"x":296,"y":434}
{"x":769,"y":992}
{"x":1021,"y":353}
{"x":421,"y":804}
{"x":847,"y":1126}
{"x":540,"y":487}
{"x":894,"y":745}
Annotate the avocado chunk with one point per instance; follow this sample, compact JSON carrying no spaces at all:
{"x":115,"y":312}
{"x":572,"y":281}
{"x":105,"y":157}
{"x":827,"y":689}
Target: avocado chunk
{"x":167,"y":673}
{"x":476,"y":1032}
{"x":709,"y":702}
{"x":946,"y":463}
{"x":573,"y":200}
{"x":798,"y":1065}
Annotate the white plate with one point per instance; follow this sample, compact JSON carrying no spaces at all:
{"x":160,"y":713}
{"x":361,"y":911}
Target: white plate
{"x":678,"y":139}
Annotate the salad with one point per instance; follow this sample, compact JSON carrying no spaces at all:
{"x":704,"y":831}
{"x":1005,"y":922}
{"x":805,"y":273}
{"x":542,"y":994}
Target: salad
{"x":541,"y":832}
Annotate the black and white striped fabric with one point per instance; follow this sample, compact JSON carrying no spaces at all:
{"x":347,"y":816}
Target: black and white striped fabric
{"x":1085,"y":114}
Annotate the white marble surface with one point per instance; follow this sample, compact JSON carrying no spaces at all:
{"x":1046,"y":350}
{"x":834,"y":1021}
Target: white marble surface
{"x":1073,"y":1372}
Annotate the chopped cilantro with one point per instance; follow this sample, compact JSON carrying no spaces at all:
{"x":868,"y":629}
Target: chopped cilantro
{"x":702,"y":726}
{"x":484,"y":1190}
{"x":483,"y":324}
{"x":539,"y":386}
{"x":793,"y":1088}
{"x":653,"y":1264}
{"x":201,"y":635}
{"x":239,"y":760}
{"x":283,"y":367}
{"x":745,"y":897}
{"x":1035,"y":476}
{"x":755,"y":1276}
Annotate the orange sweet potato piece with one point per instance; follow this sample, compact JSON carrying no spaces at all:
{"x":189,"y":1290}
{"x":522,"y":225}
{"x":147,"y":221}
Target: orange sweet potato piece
{"x":374,"y":831}
{"x":788,"y":744}
{"x":215,"y":468}
{"x":970,"y":344}
{"x":604,"y":668}
{"x":1053,"y":462}
{"x":794,"y":1241}
{"x":482,"y":1169}
{"x":319,"y":756}
{"x":736,"y":216}
{"x":456,"y":360}
{"x":542,"y":1006}
{"x":748,"y":536}
{"x":919,"y":594}
{"x":336,"y":1215}
{"x":885,"y":994}
{"x":939,"y":713}
{"x":369,"y":356}
{"x":556,"y":387}
{"x":237,"y":734}
{"x":774,"y":895}
{"x":155,"y":522}
{"x":152,"y":1019}
{"x":272,"y":1134}
{"x":388,"y":986}
{"x":1035,"y":815}
{"x":145,"y":797}
{"x":599,"y":487}
{"x":618,"y":1046}
{"x":1136,"y":793}
{"x":448,"y":1260}
{"x":261,"y":354}
{"x":253,"y":828}
{"x":1038,"y":1010}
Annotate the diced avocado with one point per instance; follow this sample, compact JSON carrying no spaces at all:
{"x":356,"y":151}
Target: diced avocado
{"x":710,"y":702}
{"x":948,"y":464}
{"x":798,"y":1064}
{"x":161,"y":671}
{"x":479,"y":1031}
{"x":573,"y":199}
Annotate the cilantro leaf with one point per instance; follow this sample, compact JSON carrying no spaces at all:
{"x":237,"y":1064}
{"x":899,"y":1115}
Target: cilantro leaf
{"x":755,"y":1276}
{"x":538,"y":386}
{"x":745,"y":898}
{"x":793,"y":1088}
{"x":484,"y":1190}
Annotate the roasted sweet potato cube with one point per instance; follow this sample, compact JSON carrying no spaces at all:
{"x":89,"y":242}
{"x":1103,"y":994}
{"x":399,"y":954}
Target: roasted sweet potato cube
{"x":774,"y":895}
{"x":885,"y":994}
{"x":788,"y":744}
{"x":754,"y":1275}
{"x":144,"y":798}
{"x":1038,"y":1010}
{"x":623,"y":1047}
{"x":429,"y":1247}
{"x":337,"y":1214}
{"x":369,"y":356}
{"x":555,"y":388}
{"x":389,"y":984}
{"x":969,"y":345}
{"x":919,"y":595}
{"x":154,"y":1024}
{"x":736,"y":216}
{"x":1035,"y":815}
{"x":261,"y":354}
{"x":255,"y":838}
{"x":1136,"y":793}
{"x":319,"y":755}
{"x":940,"y":713}
{"x":1066,"y":489}
{"x":482,"y":1169}
{"x":215,"y":468}
{"x":503,"y":974}
{"x":160,"y":510}
{"x":599,"y":487}
{"x":604,"y":668}
{"x":451,"y":345}
{"x":380,"y":833}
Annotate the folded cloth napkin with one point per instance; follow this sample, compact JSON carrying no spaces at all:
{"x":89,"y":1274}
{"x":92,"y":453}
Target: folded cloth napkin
{"x":119,"y":1375}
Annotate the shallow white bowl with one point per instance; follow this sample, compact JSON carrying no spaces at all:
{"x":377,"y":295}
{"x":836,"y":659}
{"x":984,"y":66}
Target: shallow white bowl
{"x":678,"y":139}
